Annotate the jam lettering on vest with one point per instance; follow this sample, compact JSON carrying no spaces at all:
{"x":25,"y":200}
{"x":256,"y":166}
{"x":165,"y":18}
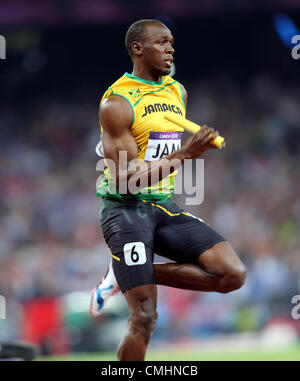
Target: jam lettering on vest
{"x":165,"y":150}
{"x":157,"y":151}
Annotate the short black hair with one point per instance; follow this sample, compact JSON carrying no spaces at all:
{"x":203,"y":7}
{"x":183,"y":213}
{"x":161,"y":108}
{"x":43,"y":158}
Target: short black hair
{"x":135,"y":32}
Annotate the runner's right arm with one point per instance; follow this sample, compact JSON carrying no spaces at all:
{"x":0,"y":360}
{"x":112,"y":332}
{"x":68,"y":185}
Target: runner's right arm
{"x":116,"y":118}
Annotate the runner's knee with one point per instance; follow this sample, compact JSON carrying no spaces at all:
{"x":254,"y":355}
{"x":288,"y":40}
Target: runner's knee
{"x":143,"y":322}
{"x":223,"y":263}
{"x":233,"y":279}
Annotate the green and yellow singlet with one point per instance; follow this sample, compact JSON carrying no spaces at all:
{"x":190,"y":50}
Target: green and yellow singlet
{"x":154,"y":135}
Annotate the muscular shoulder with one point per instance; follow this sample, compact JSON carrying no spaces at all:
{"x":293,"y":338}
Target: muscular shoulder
{"x":115,"y":114}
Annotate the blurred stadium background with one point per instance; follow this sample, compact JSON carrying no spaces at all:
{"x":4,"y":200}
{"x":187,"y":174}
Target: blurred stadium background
{"x":234,"y":58}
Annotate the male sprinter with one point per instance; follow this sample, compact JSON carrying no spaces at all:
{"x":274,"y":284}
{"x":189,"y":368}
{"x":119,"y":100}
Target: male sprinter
{"x":137,"y":225}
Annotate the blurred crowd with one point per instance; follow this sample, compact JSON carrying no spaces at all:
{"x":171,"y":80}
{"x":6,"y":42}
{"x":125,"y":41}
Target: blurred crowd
{"x":50,"y":240}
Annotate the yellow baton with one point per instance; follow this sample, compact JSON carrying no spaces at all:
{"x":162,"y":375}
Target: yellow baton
{"x":192,"y":127}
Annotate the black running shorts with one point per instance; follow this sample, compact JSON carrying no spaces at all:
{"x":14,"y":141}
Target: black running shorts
{"x":135,"y":230}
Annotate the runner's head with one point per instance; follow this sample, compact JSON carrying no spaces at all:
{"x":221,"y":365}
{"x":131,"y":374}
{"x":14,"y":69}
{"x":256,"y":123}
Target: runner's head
{"x":150,"y":44}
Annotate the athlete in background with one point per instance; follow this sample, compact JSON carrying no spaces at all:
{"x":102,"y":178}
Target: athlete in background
{"x":137,"y":225}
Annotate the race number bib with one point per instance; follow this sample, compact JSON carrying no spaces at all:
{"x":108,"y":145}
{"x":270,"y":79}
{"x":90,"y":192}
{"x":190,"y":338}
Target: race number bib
{"x":161,"y":144}
{"x":134,"y":253}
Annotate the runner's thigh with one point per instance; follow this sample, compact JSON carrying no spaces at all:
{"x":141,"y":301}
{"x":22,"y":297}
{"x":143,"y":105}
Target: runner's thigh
{"x":128,"y":232}
{"x":183,"y":238}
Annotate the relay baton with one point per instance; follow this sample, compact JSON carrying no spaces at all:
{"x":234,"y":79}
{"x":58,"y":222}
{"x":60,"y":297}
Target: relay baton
{"x":193,"y":128}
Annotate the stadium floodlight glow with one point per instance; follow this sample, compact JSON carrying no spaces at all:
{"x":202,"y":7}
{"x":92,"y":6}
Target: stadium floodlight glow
{"x":285,"y":28}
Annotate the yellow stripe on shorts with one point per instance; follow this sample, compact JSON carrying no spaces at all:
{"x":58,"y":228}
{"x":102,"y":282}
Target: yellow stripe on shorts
{"x":114,"y":257}
{"x":164,"y":209}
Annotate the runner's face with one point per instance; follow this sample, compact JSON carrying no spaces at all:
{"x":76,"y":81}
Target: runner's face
{"x":158,"y":48}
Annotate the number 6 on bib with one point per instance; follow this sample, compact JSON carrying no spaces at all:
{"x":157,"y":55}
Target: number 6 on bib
{"x":134,"y":253}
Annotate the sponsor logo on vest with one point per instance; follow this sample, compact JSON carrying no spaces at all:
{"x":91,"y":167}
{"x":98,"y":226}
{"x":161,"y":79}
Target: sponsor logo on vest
{"x":158,"y":107}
